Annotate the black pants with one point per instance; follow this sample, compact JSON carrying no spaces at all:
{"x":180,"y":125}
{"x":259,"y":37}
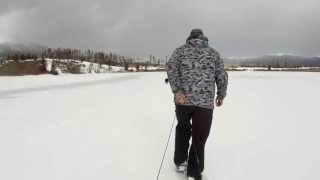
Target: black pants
{"x":199,"y":130}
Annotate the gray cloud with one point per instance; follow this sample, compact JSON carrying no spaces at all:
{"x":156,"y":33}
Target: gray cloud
{"x":140,"y":28}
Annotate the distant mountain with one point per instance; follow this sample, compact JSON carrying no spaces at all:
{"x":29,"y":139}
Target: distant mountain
{"x":275,"y":60}
{"x":6,"y":48}
{"x":234,"y":60}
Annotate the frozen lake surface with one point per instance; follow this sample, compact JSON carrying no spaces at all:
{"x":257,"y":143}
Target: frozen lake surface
{"x":115,"y":126}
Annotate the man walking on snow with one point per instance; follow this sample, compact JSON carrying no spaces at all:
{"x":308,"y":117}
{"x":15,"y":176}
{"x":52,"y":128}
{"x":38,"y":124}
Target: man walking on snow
{"x":193,"y":71}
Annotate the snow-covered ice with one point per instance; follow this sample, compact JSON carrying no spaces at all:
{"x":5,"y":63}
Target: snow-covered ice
{"x":115,"y":126}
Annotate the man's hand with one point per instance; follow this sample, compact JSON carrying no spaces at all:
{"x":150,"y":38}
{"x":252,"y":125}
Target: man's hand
{"x":180,"y":98}
{"x":219,"y":102}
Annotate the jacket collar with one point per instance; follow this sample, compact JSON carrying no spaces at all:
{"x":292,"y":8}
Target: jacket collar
{"x":196,"y":43}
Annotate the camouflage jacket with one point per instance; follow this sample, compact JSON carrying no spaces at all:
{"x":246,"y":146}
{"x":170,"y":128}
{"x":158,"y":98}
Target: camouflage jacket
{"x":195,"y":68}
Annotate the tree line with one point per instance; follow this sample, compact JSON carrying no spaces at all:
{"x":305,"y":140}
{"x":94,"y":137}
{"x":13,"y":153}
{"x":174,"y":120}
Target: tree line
{"x":99,"y":57}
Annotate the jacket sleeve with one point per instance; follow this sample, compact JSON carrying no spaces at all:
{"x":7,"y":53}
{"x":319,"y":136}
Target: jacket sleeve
{"x":173,"y":71}
{"x":221,"y":78}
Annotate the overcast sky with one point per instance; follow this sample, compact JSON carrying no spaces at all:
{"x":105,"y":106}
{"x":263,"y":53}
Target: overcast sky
{"x":143,"y":27}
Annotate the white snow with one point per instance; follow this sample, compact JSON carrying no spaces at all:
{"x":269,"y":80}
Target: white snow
{"x":85,"y":66}
{"x":115,"y":126}
{"x":48,"y":64}
{"x":251,"y":68}
{"x":243,"y":68}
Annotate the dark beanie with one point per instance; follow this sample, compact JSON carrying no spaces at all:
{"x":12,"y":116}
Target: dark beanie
{"x":195,"y":34}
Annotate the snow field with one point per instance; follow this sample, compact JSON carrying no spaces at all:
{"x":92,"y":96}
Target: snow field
{"x":115,"y":126}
